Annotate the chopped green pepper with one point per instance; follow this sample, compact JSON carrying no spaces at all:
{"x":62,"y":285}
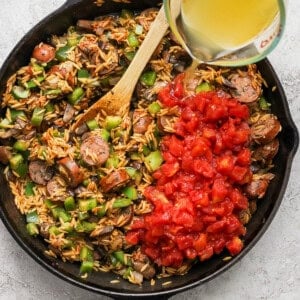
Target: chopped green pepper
{"x":19,"y":92}
{"x":49,"y":203}
{"x":66,"y":226}
{"x":82,"y":215}
{"x":32,"y":229}
{"x":14,"y":114}
{"x":5,"y":123}
{"x":148,"y":78}
{"x":204,"y":87}
{"x":101,"y":211}
{"x":133,"y":40}
{"x":29,"y":188}
{"x":34,"y":82}
{"x":121,"y":202}
{"x":119,"y":255}
{"x":32,"y":217}
{"x":76,"y":95}
{"x":112,"y":162}
{"x":62,"y":53}
{"x":263,"y":104}
{"x":73,"y":40}
{"x":86,"y":254}
{"x":154,"y":160}
{"x":52,"y":92}
{"x":49,"y":107}
{"x":15,"y":161}
{"x":83,"y":73}
{"x":86,"y":205}
{"x":22,"y":169}
{"x":104,"y":134}
{"x":146,"y":150}
{"x":88,"y":226}
{"x":112,"y":122}
{"x":21,"y":145}
{"x":86,"y":267}
{"x":54,"y":230}
{"x":92,"y":124}
{"x":130,"y":192}
{"x":37,"y":116}
{"x":130,"y":55}
{"x":69,"y":203}
{"x":154,"y":108}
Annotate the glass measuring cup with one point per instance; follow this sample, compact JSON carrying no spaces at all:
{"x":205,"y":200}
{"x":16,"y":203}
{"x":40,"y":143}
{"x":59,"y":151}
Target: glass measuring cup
{"x":227,"y":32}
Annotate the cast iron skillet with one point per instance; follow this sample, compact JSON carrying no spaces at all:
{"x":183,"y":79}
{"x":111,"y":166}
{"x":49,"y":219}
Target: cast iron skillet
{"x":99,"y":282}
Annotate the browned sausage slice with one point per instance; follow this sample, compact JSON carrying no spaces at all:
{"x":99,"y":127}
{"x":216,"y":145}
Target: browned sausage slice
{"x":244,"y":90}
{"x":141,"y":121}
{"x":141,"y":264}
{"x":40,"y":172}
{"x":266,"y":152}
{"x":265,"y":129}
{"x":43,"y":53}
{"x":258,"y":186}
{"x":70,"y":171}
{"x":94,"y":150}
{"x":114,"y":180}
{"x":5,"y":154}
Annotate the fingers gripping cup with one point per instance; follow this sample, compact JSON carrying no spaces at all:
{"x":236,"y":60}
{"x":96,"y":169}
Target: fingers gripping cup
{"x":227,"y":32}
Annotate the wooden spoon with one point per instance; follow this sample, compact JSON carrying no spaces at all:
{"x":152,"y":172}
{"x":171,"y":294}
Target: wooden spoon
{"x":118,"y":98}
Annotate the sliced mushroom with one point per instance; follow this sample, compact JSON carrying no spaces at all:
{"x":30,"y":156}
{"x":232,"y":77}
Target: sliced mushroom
{"x":142,"y":264}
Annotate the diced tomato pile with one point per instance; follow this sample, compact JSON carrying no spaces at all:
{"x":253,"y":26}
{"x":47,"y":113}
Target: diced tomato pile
{"x":197,"y":195}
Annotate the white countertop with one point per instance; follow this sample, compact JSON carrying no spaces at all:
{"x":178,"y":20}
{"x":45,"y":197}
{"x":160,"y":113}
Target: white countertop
{"x":271,"y":270}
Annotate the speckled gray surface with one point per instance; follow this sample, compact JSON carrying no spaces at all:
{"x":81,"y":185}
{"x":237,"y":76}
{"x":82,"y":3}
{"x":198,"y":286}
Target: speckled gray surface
{"x":271,"y":270}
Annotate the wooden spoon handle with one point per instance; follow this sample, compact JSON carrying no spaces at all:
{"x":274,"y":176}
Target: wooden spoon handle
{"x":158,"y":28}
{"x":118,"y":99}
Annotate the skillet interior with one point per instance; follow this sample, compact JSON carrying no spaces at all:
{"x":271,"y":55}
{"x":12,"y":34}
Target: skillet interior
{"x":57,"y":23}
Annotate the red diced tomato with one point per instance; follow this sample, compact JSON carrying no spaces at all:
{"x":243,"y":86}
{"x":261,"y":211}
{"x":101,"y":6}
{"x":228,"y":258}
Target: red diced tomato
{"x":244,"y":157}
{"x":132,"y":237}
{"x":197,"y":192}
{"x":225,"y":164}
{"x":234,"y":246}
{"x":219,"y":190}
{"x":201,"y":242}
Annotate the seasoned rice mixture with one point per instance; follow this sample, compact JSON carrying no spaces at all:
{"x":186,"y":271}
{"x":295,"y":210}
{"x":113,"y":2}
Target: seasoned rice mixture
{"x":93,"y":194}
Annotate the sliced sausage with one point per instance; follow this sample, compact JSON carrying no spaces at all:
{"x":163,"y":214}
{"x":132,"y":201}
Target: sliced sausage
{"x":43,"y":53}
{"x":5,"y":154}
{"x":40,"y":172}
{"x":265,"y":129}
{"x":141,"y":264}
{"x":258,"y":186}
{"x":70,"y":171}
{"x":114,"y":180}
{"x":141,"y":121}
{"x":81,"y":129}
{"x":244,"y":90}
{"x":56,"y":188}
{"x":94,"y":150}
{"x":266,"y":152}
